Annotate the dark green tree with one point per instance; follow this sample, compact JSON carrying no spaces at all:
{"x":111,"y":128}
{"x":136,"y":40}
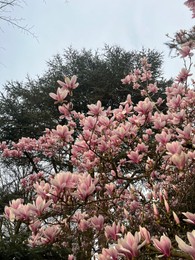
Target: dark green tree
{"x":26,"y":108}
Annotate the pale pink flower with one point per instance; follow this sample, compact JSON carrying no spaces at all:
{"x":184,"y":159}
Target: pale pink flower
{"x":186,"y":248}
{"x":35,"y":226}
{"x":152,"y":88}
{"x":83,"y":225}
{"x":179,"y":160}
{"x":71,"y":257}
{"x":95,"y":110}
{"x":163,"y":138}
{"x":145,"y":234}
{"x":9,"y":213}
{"x":50,"y":233}
{"x":174,"y":147}
{"x":23,"y":212}
{"x":155,"y":210}
{"x":177,"y":221}
{"x":129,"y":245}
{"x":186,"y":133}
{"x":63,"y":132}
{"x":183,"y":75}
{"x":97,"y":222}
{"x":144,"y":107}
{"x":163,"y":245}
{"x":108,"y":254}
{"x":86,"y":187}
{"x":185,"y":51}
{"x":112,"y":232}
{"x":64,"y":180}
{"x":60,"y":95}
{"x":39,"y":206}
{"x":64,"y":110}
{"x":69,"y":84}
{"x":190,"y":217}
{"x":166,"y":205}
{"x":110,"y":188}
{"x":135,"y":157}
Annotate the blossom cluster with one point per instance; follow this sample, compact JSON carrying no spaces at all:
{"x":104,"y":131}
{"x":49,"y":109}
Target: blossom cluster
{"x":119,"y":179}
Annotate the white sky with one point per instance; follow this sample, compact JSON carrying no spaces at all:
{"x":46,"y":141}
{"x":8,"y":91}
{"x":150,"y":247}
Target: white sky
{"x":88,"y":23}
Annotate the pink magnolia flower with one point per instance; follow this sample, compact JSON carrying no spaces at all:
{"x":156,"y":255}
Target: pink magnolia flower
{"x":71,"y":257}
{"x":129,"y":245}
{"x":64,"y":110}
{"x":112,"y":231}
{"x":63,"y":132}
{"x":97,"y":222}
{"x":35,"y":226}
{"x":179,"y":160}
{"x":152,"y":88}
{"x":177,"y":221}
{"x":186,"y":133}
{"x":64,"y":180}
{"x":86,"y":187}
{"x":95,"y":110}
{"x":145,"y":234}
{"x":69,"y":84}
{"x":186,"y":248}
{"x":183,"y":75}
{"x":23,"y":212}
{"x":135,"y":157}
{"x":9,"y":213}
{"x":110,"y":188}
{"x":190,"y":217}
{"x":108,"y":254}
{"x":185,"y":51}
{"x":163,"y":245}
{"x":155,"y":210}
{"x":166,"y":205}
{"x":42,"y":188}
{"x":60,"y":95}
{"x":163,"y":138}
{"x":50,"y":233}
{"x":144,"y":107}
{"x":39,"y":206}
{"x":174,"y":148}
{"x":128,"y":79}
{"x":83,"y":225}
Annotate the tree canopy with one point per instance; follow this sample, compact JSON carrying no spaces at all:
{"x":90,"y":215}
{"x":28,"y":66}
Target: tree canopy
{"x":26,"y":110}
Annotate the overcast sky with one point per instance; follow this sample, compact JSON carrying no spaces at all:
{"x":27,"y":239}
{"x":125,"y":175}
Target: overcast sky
{"x":87,"y":23}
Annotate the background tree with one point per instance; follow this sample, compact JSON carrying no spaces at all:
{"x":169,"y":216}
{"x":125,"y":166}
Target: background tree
{"x":25,"y":109}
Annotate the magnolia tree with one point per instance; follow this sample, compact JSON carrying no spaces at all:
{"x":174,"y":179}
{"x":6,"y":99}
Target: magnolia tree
{"x":114,"y":184}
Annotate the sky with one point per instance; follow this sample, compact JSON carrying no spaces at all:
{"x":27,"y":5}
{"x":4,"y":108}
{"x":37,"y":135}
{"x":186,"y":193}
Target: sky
{"x":89,"y":24}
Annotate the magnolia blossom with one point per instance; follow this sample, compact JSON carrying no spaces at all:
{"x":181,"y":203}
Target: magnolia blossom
{"x":39,"y":205}
{"x":69,"y":84}
{"x":179,"y":160}
{"x":108,"y":254}
{"x":113,"y":231}
{"x":186,"y":248}
{"x":145,"y":234}
{"x":129,"y":245}
{"x":190,"y":217}
{"x":163,"y":245}
{"x":144,"y":107}
{"x":60,"y":95}
{"x":183,"y":75}
{"x":97,"y":222}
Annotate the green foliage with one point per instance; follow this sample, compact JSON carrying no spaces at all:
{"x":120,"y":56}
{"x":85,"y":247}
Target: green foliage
{"x":26,"y":109}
